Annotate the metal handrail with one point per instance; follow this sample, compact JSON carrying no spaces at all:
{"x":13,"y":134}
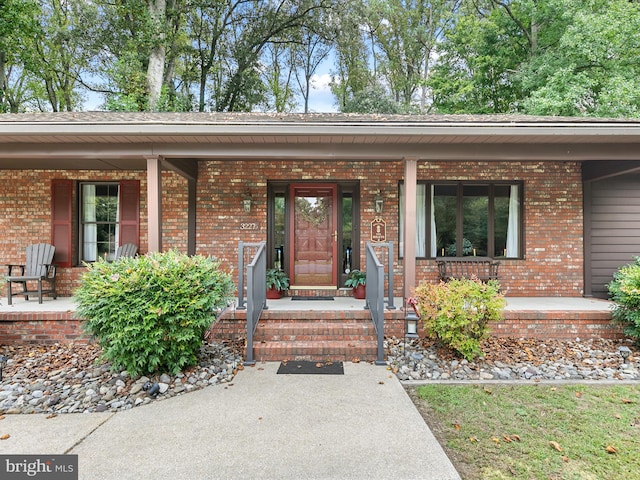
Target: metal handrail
{"x":256,"y":291}
{"x":389,"y":270}
{"x":375,"y":298}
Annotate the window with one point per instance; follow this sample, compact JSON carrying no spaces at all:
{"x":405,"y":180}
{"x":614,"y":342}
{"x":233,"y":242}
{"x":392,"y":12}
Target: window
{"x":465,"y":219}
{"x":99,"y":220}
{"x":107,"y":215}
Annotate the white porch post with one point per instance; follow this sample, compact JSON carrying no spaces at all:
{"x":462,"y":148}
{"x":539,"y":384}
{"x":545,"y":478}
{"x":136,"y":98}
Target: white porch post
{"x":409,"y":248}
{"x":154,"y":203}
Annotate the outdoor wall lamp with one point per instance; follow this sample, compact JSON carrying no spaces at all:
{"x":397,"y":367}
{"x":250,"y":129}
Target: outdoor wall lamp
{"x":624,"y":353}
{"x":3,"y":363}
{"x":246,"y":202}
{"x":378,"y":203}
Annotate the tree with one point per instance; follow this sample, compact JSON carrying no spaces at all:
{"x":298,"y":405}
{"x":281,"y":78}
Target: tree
{"x":17,"y":25}
{"x":594,"y":70}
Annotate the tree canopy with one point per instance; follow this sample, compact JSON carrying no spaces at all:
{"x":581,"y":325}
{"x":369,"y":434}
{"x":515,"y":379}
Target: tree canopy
{"x":540,"y":57}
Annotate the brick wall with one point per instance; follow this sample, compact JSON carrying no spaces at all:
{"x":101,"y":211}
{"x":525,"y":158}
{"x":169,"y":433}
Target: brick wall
{"x":25,"y":199}
{"x":553,"y":263}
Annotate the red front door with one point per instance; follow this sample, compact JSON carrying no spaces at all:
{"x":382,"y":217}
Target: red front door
{"x":313,"y":235}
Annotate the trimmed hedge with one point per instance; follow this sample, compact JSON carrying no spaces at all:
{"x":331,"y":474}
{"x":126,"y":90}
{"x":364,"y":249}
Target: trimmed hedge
{"x":149,"y":313}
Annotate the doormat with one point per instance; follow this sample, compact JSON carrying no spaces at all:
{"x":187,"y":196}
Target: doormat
{"x":316,"y":297}
{"x":306,"y":367}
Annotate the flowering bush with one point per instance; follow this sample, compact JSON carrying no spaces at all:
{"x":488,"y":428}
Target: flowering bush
{"x":624,"y":290}
{"x":149,"y":313}
{"x":457,"y":312}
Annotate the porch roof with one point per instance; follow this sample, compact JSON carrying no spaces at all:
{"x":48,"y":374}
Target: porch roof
{"x":117,"y":140}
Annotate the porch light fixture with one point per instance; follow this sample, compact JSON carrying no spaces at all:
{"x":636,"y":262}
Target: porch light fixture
{"x":3,"y":363}
{"x":246,"y":202}
{"x":624,"y":353}
{"x":378,"y":203}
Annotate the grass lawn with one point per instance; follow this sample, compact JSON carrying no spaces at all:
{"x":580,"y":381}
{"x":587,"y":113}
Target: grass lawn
{"x":538,"y":431}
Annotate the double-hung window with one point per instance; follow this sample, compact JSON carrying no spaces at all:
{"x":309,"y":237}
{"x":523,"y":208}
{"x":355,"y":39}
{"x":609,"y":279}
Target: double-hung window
{"x":99,"y":219}
{"x":467,"y":218}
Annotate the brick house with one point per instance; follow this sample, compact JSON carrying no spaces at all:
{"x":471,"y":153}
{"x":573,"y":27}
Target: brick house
{"x":556,"y":200}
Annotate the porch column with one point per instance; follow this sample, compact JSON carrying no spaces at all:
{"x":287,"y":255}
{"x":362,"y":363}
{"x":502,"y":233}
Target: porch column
{"x":409,"y":248}
{"x":154,"y":203}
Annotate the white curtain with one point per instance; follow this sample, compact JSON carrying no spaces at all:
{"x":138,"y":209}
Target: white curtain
{"x":434,"y":235}
{"x":513,"y":223}
{"x":117,"y":232}
{"x":421,"y":220}
{"x":90,"y":232}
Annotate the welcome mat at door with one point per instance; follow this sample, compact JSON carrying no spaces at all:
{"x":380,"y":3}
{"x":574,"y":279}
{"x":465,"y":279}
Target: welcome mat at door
{"x":305,"y":367}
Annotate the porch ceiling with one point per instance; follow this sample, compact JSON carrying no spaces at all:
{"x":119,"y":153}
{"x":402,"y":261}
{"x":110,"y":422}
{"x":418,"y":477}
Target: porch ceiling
{"x":109,"y":140}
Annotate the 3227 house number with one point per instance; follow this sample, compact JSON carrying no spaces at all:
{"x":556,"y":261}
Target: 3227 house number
{"x":249,"y":226}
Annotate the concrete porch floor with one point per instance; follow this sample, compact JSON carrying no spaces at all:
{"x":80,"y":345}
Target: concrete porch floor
{"x":516,"y":304}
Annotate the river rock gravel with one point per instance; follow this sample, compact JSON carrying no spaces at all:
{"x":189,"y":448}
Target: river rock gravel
{"x":515,"y":359}
{"x":71,"y":378}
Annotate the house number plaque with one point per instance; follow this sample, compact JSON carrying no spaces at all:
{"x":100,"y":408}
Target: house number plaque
{"x":378,"y":230}
{"x":249,"y":226}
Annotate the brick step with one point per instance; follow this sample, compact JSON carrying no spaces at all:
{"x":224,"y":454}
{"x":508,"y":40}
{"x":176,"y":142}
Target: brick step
{"x":315,"y":330}
{"x":335,"y":351}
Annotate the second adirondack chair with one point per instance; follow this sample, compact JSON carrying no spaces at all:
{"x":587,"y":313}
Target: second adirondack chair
{"x":126,"y":250}
{"x":37,"y":269}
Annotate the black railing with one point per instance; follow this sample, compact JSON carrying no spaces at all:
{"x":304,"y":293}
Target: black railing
{"x":375,"y":297}
{"x":256,"y":290}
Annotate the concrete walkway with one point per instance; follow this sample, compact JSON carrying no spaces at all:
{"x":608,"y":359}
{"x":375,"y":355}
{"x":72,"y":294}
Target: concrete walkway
{"x":360,"y":425}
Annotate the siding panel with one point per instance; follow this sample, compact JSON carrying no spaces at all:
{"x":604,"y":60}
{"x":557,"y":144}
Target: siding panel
{"x":615,"y":228}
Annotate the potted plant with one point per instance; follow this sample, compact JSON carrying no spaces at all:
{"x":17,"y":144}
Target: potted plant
{"x":357,"y":280}
{"x":277,"y":282}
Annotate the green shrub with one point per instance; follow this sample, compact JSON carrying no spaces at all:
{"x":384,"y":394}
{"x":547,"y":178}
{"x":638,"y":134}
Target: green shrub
{"x":457,"y":312}
{"x":624,"y":290}
{"x":149,"y":313}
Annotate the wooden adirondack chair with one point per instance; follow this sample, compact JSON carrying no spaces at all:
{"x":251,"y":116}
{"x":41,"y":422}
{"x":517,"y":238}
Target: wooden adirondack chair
{"x":37,"y":269}
{"x":126,"y":250}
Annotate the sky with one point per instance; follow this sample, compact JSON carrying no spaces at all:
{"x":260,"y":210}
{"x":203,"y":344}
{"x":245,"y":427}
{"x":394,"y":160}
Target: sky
{"x":321,"y":100}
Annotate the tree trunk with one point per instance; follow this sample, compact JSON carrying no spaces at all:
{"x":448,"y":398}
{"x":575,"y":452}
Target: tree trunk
{"x":155,"y":70}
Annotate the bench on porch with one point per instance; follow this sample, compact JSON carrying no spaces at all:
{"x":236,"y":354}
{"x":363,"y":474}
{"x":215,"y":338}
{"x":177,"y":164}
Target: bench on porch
{"x":483,"y":268}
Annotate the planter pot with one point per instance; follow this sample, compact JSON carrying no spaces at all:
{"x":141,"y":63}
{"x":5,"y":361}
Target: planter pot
{"x":360,"y":292}
{"x":274,"y":293}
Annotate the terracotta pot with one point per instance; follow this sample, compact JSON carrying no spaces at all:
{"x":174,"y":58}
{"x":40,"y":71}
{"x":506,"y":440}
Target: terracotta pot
{"x":360,"y":292}
{"x":273,"y":293}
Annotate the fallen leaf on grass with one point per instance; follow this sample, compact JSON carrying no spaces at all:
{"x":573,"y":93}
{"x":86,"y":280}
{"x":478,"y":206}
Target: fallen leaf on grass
{"x":487,"y":391}
{"x":627,"y":401}
{"x":506,"y":439}
{"x":555,"y":445}
{"x":5,"y":436}
{"x":618,"y":416}
{"x":496,"y":440}
{"x":611,"y":449}
{"x":565,"y":459}
{"x":473,"y":439}
{"x":456,"y":426}
{"x":578,"y":394}
{"x":515,"y":437}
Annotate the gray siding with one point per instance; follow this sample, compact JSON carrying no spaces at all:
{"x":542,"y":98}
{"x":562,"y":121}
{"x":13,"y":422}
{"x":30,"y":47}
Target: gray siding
{"x":612,"y":221}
